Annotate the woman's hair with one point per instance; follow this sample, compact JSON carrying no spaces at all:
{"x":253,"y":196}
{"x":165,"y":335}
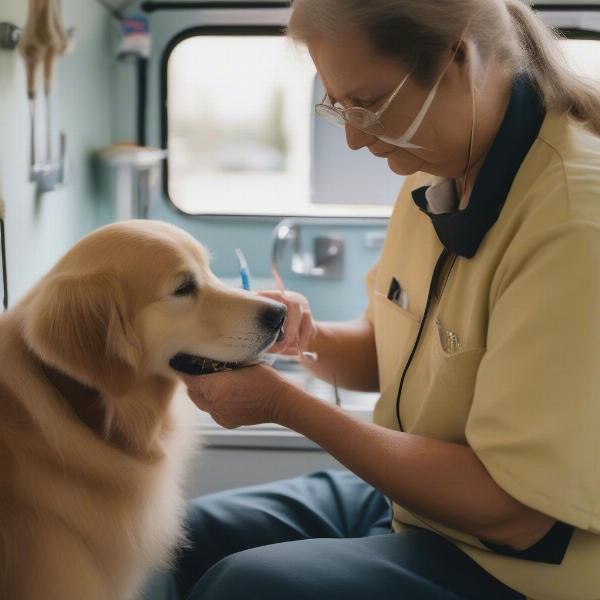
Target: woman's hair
{"x":418,"y":32}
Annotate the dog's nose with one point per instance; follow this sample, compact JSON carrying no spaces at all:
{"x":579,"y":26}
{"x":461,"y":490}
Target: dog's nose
{"x":273,"y":316}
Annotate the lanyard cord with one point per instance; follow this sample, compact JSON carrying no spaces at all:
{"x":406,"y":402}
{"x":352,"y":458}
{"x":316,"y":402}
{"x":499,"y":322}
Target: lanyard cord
{"x":435,"y":292}
{"x":4,"y":269}
{"x":3,"y":258}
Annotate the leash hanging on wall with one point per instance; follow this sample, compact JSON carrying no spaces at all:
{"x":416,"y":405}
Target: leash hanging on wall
{"x":42,"y":42}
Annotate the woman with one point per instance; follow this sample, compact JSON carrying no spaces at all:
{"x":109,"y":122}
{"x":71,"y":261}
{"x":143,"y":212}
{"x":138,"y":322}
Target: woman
{"x":482,"y":332}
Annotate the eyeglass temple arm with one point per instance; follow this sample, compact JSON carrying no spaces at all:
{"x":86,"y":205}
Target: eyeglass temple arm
{"x":396,"y":92}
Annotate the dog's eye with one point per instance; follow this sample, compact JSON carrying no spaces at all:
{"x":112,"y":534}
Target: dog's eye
{"x":187,"y":288}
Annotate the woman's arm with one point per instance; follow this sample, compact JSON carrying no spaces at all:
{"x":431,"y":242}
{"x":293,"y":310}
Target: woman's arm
{"x":347,"y":352}
{"x":441,"y":481}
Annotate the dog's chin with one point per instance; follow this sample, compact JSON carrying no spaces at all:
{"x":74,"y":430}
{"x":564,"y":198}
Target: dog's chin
{"x":192,"y":364}
{"x":199,"y":365}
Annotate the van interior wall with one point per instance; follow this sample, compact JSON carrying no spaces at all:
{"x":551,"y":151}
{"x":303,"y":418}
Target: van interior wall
{"x":95,"y":104}
{"x":330,"y":300}
{"x":39,"y":230}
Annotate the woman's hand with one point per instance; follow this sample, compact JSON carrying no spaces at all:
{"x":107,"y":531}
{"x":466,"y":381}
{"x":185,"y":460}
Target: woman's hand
{"x":345,"y":351}
{"x":300,"y":328}
{"x":248,"y":396}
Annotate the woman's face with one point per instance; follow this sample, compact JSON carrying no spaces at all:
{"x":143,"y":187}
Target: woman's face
{"x":354,"y":74}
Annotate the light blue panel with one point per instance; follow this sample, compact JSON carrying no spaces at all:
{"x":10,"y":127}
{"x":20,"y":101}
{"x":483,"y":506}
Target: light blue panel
{"x":360,"y":178}
{"x":330,"y":300}
{"x":124,"y":93}
{"x":40,"y":231}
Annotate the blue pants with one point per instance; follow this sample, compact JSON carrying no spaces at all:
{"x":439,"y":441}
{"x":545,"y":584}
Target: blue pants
{"x":323,"y":536}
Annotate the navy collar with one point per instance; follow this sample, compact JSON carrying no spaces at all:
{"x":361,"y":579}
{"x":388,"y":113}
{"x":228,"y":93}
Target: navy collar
{"x":462,"y":231}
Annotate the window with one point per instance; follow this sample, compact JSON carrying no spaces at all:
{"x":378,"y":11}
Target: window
{"x":240,"y":115}
{"x":243,"y":138}
{"x":584,"y":57}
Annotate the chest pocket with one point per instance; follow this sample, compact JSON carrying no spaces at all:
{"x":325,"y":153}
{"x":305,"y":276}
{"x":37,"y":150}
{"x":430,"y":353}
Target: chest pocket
{"x":440,"y":386}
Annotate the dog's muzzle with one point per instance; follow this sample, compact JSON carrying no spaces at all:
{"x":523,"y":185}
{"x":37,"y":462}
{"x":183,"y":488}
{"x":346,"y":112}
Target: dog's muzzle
{"x":271,"y":319}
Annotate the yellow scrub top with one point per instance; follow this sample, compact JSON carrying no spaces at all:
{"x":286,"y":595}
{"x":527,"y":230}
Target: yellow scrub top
{"x":502,"y":351}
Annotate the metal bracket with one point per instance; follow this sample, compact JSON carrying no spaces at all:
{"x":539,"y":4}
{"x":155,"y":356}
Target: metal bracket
{"x":326,"y":261}
{"x":51,"y":175}
{"x":10,"y":34}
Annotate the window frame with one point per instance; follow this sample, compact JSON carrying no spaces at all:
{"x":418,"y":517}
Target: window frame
{"x":213,"y":30}
{"x":576,"y":33}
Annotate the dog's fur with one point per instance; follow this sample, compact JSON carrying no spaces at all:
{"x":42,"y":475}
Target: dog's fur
{"x":92,"y":439}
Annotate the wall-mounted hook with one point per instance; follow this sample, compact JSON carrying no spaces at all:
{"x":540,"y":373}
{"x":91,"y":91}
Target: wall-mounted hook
{"x":10,"y":34}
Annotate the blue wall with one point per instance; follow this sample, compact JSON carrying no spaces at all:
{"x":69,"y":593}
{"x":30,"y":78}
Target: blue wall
{"x":40,"y":231}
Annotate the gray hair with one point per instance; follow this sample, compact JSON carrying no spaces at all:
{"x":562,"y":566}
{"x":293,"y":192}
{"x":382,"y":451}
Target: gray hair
{"x":418,"y":32}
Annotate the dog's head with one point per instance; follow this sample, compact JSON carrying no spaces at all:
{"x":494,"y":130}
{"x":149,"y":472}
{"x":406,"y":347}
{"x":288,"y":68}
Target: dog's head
{"x":138,"y":298}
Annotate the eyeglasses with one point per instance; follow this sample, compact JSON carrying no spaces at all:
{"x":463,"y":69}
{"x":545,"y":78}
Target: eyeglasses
{"x":356,"y":116}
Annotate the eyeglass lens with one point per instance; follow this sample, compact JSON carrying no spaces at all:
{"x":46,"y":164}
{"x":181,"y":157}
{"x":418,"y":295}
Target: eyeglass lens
{"x":356,"y":117}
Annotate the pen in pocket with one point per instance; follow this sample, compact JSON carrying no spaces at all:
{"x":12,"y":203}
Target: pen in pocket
{"x":397,"y":294}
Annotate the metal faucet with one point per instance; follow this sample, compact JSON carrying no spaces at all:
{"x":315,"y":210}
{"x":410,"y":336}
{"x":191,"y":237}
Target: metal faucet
{"x":325,"y":261}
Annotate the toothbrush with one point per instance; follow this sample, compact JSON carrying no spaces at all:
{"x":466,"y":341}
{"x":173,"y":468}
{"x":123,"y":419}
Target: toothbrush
{"x":244,"y":271}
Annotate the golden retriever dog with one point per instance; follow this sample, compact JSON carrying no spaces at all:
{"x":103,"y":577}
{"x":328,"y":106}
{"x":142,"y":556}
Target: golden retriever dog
{"x":93,"y":440}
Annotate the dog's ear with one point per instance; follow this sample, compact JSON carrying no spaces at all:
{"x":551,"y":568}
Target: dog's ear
{"x":81,"y":326}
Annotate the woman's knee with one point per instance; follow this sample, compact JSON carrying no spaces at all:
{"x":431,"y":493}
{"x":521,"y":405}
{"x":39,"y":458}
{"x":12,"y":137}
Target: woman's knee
{"x":249,"y":574}
{"x":215,"y":516}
